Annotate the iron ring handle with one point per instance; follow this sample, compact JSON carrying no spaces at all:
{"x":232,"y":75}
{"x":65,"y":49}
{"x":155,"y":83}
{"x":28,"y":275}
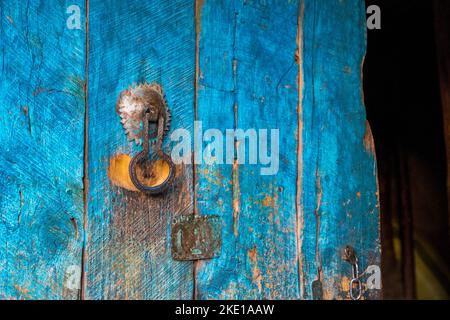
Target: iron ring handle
{"x":147,"y":189}
{"x":358,"y":287}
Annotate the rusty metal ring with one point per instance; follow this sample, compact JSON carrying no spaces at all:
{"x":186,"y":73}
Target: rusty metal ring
{"x":154,"y":190}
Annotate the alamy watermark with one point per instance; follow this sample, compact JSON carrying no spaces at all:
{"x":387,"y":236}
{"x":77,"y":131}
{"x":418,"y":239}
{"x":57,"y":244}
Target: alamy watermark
{"x":73,"y":22}
{"x":373,"y":20}
{"x":231,"y":146}
{"x":374,"y":17}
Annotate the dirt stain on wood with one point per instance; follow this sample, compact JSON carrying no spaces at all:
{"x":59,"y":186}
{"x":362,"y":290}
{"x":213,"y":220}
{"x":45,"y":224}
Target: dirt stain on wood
{"x":256,"y":272}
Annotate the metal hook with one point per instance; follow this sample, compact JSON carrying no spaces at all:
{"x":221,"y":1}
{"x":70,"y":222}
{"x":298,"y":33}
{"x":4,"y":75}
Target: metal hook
{"x":355,"y":283}
{"x":144,"y":156}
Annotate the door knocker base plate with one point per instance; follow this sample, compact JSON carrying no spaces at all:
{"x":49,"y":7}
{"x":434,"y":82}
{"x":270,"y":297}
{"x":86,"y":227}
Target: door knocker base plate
{"x":196,"y":237}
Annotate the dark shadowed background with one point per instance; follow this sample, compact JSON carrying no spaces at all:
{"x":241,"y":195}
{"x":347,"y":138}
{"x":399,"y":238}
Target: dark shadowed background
{"x":406,"y":83}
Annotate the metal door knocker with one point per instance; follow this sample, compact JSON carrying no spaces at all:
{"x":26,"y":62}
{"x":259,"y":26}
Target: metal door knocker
{"x":146,"y":119}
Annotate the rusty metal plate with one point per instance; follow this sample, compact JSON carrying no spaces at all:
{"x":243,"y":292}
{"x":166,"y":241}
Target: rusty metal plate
{"x":196,"y":238}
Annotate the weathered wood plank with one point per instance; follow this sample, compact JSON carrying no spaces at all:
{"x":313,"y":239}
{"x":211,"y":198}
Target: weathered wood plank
{"x":41,"y":151}
{"x":128,"y":248}
{"x":339,"y":196}
{"x":248,"y":80}
{"x":247,"y":67}
{"x":283,"y":234}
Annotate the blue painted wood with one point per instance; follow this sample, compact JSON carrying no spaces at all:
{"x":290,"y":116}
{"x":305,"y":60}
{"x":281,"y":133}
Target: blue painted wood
{"x":41,"y":150}
{"x":339,"y":194}
{"x":248,"y":80}
{"x":128,"y":247}
{"x":288,"y":65}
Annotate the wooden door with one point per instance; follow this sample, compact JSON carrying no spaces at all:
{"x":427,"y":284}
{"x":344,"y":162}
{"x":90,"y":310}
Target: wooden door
{"x":71,"y":228}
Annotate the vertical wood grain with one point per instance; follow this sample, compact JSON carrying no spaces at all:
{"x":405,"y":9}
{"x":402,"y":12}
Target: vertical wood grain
{"x":283,"y":239}
{"x":248,"y":80}
{"x":128,"y":247}
{"x":339,"y":190}
{"x":288,"y":65}
{"x":41,"y":151}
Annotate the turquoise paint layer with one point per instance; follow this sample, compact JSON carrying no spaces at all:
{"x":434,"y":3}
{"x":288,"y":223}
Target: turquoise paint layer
{"x":41,"y":150}
{"x":247,"y":68}
{"x":128,"y":248}
{"x":339,"y":190}
{"x":248,"y":80}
